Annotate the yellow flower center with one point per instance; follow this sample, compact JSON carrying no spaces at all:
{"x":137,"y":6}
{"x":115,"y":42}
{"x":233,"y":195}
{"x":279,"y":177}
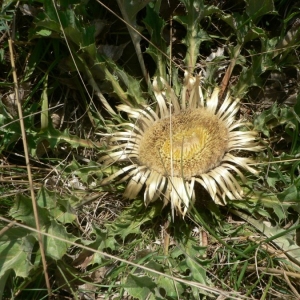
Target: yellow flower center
{"x":199,"y":142}
{"x":185,"y":144}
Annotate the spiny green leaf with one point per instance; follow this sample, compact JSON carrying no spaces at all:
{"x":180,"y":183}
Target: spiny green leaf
{"x":59,"y":208}
{"x":289,"y":194}
{"x":197,"y":267}
{"x":86,"y":172}
{"x":16,"y":251}
{"x":276,"y":116}
{"x":23,"y":211}
{"x":105,"y":239}
{"x":196,"y":11}
{"x":139,"y":286}
{"x":155,"y":25}
{"x":290,"y":197}
{"x":132,"y":7}
{"x":132,"y":218}
{"x":45,"y":23}
{"x":256,"y":9}
{"x":171,"y":287}
{"x":50,"y":11}
{"x":44,"y":32}
{"x":36,"y":56}
{"x":133,"y":85}
{"x":53,"y":247}
{"x":74,"y":35}
{"x":243,"y":27}
{"x":267,"y":120}
{"x":3,"y":280}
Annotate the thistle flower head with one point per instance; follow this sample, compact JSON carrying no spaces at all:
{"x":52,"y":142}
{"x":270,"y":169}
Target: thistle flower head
{"x":179,"y":143}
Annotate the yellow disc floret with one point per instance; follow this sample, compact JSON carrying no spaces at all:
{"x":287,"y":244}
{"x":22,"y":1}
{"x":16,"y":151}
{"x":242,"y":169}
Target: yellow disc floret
{"x":187,"y":144}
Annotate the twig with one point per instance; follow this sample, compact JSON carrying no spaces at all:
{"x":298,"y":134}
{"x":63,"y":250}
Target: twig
{"x":26,"y":154}
{"x":272,"y":271}
{"x":228,"y":73}
{"x":11,"y":224}
{"x":290,"y":285}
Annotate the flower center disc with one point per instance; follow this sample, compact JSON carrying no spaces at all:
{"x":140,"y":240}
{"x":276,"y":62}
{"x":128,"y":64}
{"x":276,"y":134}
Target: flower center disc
{"x":199,"y":142}
{"x":185,"y":144}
